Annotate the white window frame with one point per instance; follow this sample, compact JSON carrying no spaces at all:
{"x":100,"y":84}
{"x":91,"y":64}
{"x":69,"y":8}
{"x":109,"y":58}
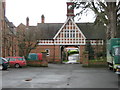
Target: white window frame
{"x":48,"y":52}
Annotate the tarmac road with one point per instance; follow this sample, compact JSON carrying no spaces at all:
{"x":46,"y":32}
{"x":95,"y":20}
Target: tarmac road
{"x":59,"y":76}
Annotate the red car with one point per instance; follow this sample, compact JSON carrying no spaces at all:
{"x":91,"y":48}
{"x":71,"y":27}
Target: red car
{"x":16,"y":61}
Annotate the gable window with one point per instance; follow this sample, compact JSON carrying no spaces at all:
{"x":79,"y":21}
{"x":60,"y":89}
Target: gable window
{"x":70,"y":34}
{"x":73,"y":33}
{"x":48,"y":52}
{"x":66,"y":33}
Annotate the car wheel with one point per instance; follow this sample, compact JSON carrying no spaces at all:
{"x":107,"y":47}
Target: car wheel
{"x":17,"y":65}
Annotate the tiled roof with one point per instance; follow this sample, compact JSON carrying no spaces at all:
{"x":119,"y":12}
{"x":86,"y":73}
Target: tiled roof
{"x":48,"y":30}
{"x":91,"y":31}
{"x":10,"y":25}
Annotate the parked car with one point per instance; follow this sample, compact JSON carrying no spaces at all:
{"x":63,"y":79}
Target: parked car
{"x":3,"y":64}
{"x":16,"y":62}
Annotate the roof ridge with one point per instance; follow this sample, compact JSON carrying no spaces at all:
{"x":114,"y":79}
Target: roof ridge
{"x":50,"y":23}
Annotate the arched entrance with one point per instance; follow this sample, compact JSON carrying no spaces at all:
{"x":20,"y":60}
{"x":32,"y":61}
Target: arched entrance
{"x":70,"y":54}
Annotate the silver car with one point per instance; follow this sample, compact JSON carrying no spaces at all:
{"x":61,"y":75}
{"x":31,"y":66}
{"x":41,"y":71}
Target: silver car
{"x":3,"y":64}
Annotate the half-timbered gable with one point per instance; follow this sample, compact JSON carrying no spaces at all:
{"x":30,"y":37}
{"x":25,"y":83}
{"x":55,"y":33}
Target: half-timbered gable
{"x":69,"y":34}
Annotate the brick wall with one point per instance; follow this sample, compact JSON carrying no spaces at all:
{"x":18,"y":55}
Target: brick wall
{"x":57,"y":54}
{"x":82,"y":49}
{"x":54,"y":54}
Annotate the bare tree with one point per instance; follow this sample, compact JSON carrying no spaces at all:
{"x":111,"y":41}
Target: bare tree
{"x":106,"y":13}
{"x":27,"y":40}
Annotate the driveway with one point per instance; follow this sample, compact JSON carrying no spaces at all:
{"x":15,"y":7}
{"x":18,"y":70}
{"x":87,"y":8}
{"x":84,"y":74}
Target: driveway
{"x":73,"y":59}
{"x":59,"y":76}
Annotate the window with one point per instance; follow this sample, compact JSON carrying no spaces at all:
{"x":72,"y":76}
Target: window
{"x":67,"y":33}
{"x":73,"y":33}
{"x":48,"y":52}
{"x":21,"y":59}
{"x":11,"y":59}
{"x":117,"y":51}
{"x":70,"y":34}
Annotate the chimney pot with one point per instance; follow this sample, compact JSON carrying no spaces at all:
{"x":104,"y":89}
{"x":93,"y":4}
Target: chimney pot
{"x":42,"y":19}
{"x":27,"y":21}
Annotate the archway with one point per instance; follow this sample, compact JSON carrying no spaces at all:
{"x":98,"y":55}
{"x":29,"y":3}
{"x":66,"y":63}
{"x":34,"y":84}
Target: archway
{"x":70,"y":54}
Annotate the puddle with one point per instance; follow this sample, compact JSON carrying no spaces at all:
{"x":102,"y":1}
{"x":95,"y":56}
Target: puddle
{"x":29,"y":79}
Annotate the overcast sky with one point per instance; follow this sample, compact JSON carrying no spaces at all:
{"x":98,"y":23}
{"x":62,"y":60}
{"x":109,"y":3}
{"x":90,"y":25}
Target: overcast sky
{"x":53,"y":10}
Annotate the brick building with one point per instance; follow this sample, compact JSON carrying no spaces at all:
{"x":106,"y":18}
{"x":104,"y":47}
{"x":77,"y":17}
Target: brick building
{"x":1,"y":17}
{"x":54,"y":37}
{"x":8,"y":41}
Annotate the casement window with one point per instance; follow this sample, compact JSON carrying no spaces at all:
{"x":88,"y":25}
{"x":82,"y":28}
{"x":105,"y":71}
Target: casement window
{"x":48,"y":52}
{"x":70,"y":34}
{"x":66,"y":33}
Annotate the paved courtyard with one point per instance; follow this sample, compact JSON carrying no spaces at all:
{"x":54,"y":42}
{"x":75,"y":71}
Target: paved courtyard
{"x":59,"y":76}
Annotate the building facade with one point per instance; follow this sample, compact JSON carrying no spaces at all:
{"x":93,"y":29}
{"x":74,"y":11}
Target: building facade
{"x":8,"y":42}
{"x":2,"y":14}
{"x":54,"y":37}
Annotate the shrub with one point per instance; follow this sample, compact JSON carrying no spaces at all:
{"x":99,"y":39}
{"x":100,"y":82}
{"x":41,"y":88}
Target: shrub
{"x":37,"y":63}
{"x":73,"y":52}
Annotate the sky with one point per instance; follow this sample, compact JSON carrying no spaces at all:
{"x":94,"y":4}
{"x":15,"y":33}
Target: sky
{"x":54,"y":11}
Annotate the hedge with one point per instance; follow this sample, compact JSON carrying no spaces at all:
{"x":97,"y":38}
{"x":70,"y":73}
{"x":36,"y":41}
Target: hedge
{"x":37,"y":63}
{"x":99,"y":63}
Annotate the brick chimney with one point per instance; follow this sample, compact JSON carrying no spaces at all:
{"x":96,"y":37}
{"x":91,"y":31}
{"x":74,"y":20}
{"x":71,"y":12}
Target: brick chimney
{"x":70,"y":9}
{"x":3,"y":7}
{"x":27,"y":21}
{"x":42,"y":19}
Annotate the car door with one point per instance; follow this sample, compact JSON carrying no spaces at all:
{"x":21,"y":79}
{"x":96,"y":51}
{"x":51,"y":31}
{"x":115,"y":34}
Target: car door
{"x":12,"y":61}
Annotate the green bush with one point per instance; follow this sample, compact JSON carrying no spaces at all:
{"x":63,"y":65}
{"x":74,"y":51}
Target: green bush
{"x":65,"y":60}
{"x":96,"y":63}
{"x":73,"y":52}
{"x":100,"y":62}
